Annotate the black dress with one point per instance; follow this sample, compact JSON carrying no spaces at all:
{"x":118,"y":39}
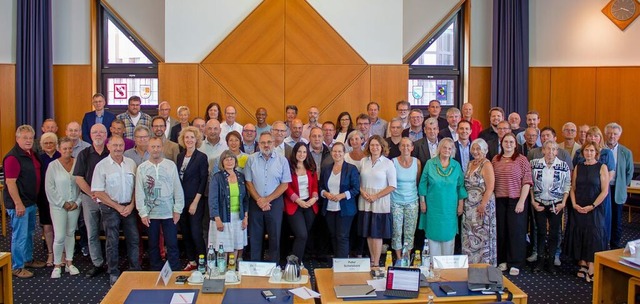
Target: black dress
{"x":586,"y":232}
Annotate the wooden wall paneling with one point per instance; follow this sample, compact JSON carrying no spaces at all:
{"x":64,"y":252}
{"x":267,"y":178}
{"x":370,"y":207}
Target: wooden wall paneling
{"x":572,"y":96}
{"x":258,"y":39}
{"x":71,"y":94}
{"x":480,"y":93}
{"x":252,"y":86}
{"x":7,"y":107}
{"x":317,"y":85}
{"x":309,"y":39}
{"x":539,"y":94}
{"x":617,"y":94}
{"x":389,"y":84}
{"x":178,"y":84}
{"x":353,"y":99}
{"x":209,"y":90}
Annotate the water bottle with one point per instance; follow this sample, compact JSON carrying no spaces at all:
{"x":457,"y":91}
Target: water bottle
{"x":201,"y":266}
{"x":211,"y":261}
{"x":426,"y":258}
{"x":405,"y":262}
{"x":222,"y":259}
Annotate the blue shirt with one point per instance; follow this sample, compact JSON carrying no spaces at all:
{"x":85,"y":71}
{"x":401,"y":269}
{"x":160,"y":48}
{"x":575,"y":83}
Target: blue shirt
{"x":267,"y":174}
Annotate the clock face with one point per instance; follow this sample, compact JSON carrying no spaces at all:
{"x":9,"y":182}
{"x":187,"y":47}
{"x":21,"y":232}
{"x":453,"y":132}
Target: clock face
{"x":623,"y":9}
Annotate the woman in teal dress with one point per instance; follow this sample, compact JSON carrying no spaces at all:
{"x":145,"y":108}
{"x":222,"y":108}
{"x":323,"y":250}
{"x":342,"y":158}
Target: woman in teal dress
{"x":442,"y":195}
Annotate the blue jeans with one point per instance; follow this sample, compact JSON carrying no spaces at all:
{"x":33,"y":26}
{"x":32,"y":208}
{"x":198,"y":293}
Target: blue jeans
{"x":22,"y":228}
{"x":170,"y":232}
{"x":112,"y":220}
{"x":339,"y":230}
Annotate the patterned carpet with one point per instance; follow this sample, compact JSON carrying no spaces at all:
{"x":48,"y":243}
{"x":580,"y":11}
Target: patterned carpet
{"x":564,"y":287}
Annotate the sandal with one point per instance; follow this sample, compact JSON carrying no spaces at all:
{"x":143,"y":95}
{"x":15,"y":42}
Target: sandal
{"x":589,"y":277}
{"x":583,"y":272}
{"x":49,"y":264}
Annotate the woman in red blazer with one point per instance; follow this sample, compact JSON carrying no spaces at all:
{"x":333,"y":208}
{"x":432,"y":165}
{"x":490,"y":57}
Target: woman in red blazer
{"x":301,"y":197}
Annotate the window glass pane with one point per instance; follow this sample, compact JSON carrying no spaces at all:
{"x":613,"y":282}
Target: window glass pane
{"x":121,"y":49}
{"x":120,"y":89}
{"x":440,"y":52}
{"x":421,"y":91}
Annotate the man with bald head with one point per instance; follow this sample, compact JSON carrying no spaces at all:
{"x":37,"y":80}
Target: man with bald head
{"x":229,"y":123}
{"x":261,"y":120}
{"x":279,"y":131}
{"x":296,"y":133}
{"x":249,"y":143}
{"x":314,"y":116}
{"x":569,"y":132}
{"x":164,"y":111}
{"x":476,"y":125}
{"x":582,"y":134}
{"x":213,"y":145}
{"x":73,"y":132}
{"x":530,"y":140}
{"x":514,"y":122}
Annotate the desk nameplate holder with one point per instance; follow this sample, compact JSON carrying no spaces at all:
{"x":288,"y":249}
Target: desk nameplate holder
{"x":351,"y":265}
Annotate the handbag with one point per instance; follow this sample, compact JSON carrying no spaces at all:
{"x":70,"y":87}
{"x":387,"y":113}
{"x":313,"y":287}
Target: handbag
{"x":485,"y":279}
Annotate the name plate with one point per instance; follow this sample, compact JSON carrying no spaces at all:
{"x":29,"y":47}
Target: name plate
{"x":450,"y":261}
{"x":351,"y":265}
{"x":256,"y":269}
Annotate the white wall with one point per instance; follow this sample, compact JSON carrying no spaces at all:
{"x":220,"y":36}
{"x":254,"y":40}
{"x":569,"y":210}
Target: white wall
{"x":146,"y":18}
{"x":8,"y":31}
{"x":71,"y":32}
{"x":372,"y":27}
{"x":577,"y":33}
{"x":194,"y":28}
{"x":420,"y":17}
{"x":481,"y":32}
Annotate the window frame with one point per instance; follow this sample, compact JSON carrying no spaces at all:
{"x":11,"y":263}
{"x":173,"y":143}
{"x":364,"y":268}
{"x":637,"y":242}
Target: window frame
{"x":106,"y":70}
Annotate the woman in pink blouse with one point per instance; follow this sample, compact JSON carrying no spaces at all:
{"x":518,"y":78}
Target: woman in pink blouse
{"x":513,"y":180}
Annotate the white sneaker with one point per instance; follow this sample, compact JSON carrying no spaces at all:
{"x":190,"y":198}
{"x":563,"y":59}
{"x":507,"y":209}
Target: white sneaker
{"x":502,"y":266}
{"x":55,"y":274}
{"x":72,"y":270}
{"x":556,"y":261}
{"x":533,"y":257}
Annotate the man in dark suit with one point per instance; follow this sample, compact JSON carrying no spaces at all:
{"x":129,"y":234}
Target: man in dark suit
{"x":249,"y":144}
{"x":427,"y":147}
{"x":494,"y":144}
{"x":463,"y":144}
{"x":453,"y":118}
{"x":434,"y":111}
{"x":496,"y":115}
{"x":100,"y":115}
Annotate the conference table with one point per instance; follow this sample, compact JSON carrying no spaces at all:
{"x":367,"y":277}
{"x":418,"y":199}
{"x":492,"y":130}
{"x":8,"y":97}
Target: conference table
{"x":326,"y":279}
{"x":130,"y":280}
{"x":6,"y":287}
{"x":611,"y":279}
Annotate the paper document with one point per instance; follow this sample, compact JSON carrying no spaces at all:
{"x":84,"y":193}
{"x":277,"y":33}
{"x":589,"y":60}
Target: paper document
{"x":378,"y":284}
{"x":182,"y":298}
{"x":304,"y":293}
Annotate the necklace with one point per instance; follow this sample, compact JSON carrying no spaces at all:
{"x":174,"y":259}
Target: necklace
{"x":444,"y":174}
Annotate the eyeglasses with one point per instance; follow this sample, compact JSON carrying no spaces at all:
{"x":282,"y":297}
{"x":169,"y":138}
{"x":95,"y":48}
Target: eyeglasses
{"x":570,"y":130}
{"x":279,"y":130}
{"x":141,"y":137}
{"x":158,"y":126}
{"x":504,"y":129}
{"x":249,"y":131}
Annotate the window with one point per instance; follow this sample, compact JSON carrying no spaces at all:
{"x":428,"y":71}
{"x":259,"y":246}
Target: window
{"x":126,"y":67}
{"x":435,"y":70}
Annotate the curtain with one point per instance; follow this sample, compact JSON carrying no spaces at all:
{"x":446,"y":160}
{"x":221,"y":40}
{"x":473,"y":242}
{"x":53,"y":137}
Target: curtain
{"x":34,"y":76}
{"x":510,"y":71}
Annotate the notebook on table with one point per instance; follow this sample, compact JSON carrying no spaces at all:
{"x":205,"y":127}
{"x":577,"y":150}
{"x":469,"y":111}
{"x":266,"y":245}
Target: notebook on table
{"x":354,"y":291}
{"x":403,"y":282}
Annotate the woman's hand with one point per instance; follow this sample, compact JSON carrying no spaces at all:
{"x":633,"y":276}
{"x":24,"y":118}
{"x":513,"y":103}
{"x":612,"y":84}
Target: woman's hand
{"x":519,"y":207}
{"x":460,"y":209}
{"x":538,"y":207}
{"x":559,"y":207}
{"x":482,"y":208}
{"x":423,"y":207}
{"x":245,"y":222}
{"x":192,"y":208}
{"x":219,"y":224}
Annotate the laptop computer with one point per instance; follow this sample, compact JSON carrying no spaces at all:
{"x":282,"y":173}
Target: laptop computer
{"x":403,"y":282}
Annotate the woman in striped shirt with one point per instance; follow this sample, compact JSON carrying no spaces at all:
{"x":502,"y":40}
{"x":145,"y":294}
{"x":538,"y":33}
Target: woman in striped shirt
{"x":513,"y":180}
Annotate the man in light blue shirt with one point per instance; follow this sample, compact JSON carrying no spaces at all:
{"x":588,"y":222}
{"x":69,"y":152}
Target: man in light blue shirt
{"x":267,"y":175}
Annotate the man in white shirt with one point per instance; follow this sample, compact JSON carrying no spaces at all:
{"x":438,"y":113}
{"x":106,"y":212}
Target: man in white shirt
{"x":134,"y":117}
{"x":164,"y":111}
{"x":113,"y":185}
{"x":296,"y":134}
{"x":73,"y":132}
{"x":212,"y":145}
{"x":230,"y":123}
{"x":159,"y":201}
{"x":279,"y":131}
{"x":314,"y":116}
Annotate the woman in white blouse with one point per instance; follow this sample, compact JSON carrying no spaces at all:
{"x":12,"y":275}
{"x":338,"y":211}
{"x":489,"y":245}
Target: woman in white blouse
{"x":64,"y":200}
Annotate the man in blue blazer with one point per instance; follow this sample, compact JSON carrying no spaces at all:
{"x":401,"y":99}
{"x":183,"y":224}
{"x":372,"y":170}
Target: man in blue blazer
{"x":100,"y":115}
{"x":623,"y":176}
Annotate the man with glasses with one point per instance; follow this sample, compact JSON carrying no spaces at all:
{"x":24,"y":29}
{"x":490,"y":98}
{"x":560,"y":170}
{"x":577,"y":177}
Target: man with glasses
{"x":279,"y":131}
{"x":415,"y":130}
{"x":363,"y":124}
{"x":402,"y":110}
{"x":164,"y":111}
{"x":530,"y":140}
{"x":494,"y":144}
{"x":267,"y":177}
{"x":249,"y":143}
{"x":133,"y":117}
{"x":230,"y":123}
{"x":170,"y":150}
{"x":569,"y":132}
{"x":328,"y":134}
{"x":99,"y":115}
{"x":140,"y":152}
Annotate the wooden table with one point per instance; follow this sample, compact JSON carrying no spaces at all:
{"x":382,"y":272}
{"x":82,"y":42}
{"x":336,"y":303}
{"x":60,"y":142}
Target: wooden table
{"x":633,"y":190}
{"x":130,"y":280}
{"x":326,"y":280}
{"x":611,"y":278}
{"x":6,"y":292}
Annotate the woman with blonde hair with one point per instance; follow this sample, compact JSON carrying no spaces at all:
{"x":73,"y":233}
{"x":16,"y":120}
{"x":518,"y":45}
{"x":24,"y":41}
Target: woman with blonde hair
{"x":183,"y":122}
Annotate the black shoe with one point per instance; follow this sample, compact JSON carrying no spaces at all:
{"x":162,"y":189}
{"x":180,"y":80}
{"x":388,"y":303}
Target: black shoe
{"x":94,"y":271}
{"x":552,"y":269}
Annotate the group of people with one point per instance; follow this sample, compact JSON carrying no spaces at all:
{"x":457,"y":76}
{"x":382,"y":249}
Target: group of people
{"x":463,"y":188}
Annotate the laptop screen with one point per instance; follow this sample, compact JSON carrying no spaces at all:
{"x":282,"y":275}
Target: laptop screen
{"x":399,"y":278}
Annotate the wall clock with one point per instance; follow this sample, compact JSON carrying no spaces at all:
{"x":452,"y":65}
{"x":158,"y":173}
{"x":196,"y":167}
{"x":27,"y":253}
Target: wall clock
{"x":622,"y":12}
